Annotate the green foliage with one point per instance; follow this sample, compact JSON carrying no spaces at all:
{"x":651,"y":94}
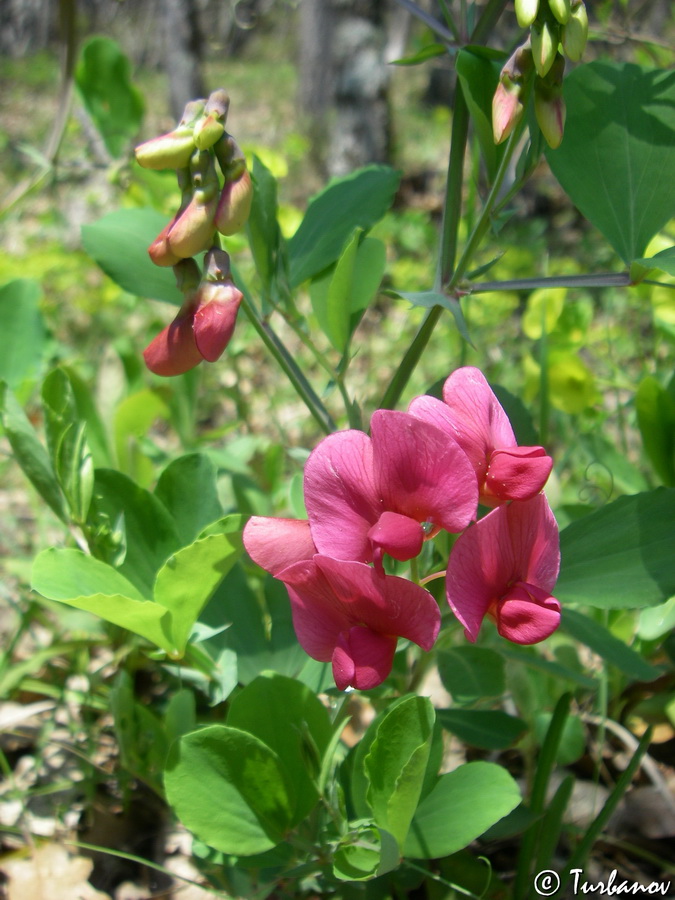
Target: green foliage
{"x":621,"y":123}
{"x":103,"y":79}
{"x":23,"y":331}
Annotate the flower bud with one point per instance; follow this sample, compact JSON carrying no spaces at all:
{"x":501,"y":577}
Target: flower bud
{"x":507,"y":109}
{"x":561,"y":9}
{"x":544,"y":38}
{"x":172,"y":150}
{"x":211,"y":126}
{"x":230,"y":158}
{"x":549,"y":106}
{"x":575,"y":33}
{"x":160,"y":250}
{"x":526,"y":12}
{"x":218,"y":303}
{"x":193,"y":229}
{"x":234,"y":206}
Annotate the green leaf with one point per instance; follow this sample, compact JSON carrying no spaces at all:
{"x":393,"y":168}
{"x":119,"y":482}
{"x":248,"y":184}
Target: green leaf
{"x":358,"y":200}
{"x":150,"y":532}
{"x":227,"y":787}
{"x":655,"y":407}
{"x":119,"y":243}
{"x":663,"y":261}
{"x":29,"y":452}
{"x":73,"y":578}
{"x":572,"y":741}
{"x":264,"y":234}
{"x":429,"y":299}
{"x":23,"y":331}
{"x":490,"y":729}
{"x":103,"y":78}
{"x":479,"y":75}
{"x":365,"y":852}
{"x":290,"y":719}
{"x":431,"y":51}
{"x":620,"y":556}
{"x":471,"y":673}
{"x":187,"y":580}
{"x":462,"y":805}
{"x":601,"y":641}
{"x":97,"y":435}
{"x":66,"y":440}
{"x":656,"y":621}
{"x":187,"y":488}
{"x":396,"y":764}
{"x":621,"y":123}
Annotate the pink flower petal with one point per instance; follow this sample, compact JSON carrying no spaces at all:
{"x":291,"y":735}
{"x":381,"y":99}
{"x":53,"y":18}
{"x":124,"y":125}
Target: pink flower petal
{"x":362,"y":658}
{"x":275,"y":544}
{"x":514,"y":543}
{"x":214,"y":321}
{"x":517,"y":473}
{"x":527,"y":614}
{"x":173,"y":351}
{"x":340,"y":495}
{"x":479,"y":416}
{"x":330,"y":596}
{"x":421,"y":473}
{"x":399,"y":536}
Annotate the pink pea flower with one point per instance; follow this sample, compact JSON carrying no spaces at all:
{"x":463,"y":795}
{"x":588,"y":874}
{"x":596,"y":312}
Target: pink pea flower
{"x":274,"y":544}
{"x":505,"y":566}
{"x":369,"y":496}
{"x":475,"y":419}
{"x":346,"y":613}
{"x":205,"y":322}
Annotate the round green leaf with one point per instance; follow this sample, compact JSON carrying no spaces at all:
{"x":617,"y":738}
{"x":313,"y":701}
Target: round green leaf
{"x":227,"y":787}
{"x":462,"y":805}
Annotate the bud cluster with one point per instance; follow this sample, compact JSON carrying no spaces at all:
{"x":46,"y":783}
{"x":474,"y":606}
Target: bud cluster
{"x":196,"y":148}
{"x":538,"y":60}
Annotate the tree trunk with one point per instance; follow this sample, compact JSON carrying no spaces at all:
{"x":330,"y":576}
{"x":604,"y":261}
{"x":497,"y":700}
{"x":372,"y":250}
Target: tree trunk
{"x":182,"y":44}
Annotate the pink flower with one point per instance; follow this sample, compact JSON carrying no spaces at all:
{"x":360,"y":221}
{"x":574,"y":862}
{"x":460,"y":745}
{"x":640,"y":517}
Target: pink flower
{"x":505,"y":566}
{"x":346,"y":613}
{"x":274,"y":544}
{"x":369,"y":496}
{"x":204,"y":324}
{"x":474,"y":418}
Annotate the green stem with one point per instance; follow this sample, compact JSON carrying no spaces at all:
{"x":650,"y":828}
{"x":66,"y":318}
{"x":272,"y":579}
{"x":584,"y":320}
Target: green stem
{"x":452,"y":213}
{"x":289,"y":367}
{"x":608,"y":279}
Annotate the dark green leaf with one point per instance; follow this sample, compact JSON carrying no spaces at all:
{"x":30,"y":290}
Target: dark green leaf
{"x":655,"y":407}
{"x":187,"y":488}
{"x":151,"y":535}
{"x":663,"y":261}
{"x":103,"y":78}
{"x":23,"y":331}
{"x":263,"y":230}
{"x":227,"y":787}
{"x":463,"y":805}
{"x":622,"y":555}
{"x":621,"y":124}
{"x":119,"y":243}
{"x":490,"y":729}
{"x":601,"y":641}
{"x":358,"y":200}
{"x":471,"y":673}
{"x":290,"y":719}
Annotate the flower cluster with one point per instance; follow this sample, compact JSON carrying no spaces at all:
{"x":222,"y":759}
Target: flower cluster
{"x":551,"y":23}
{"x":205,"y":321}
{"x":367,"y":497}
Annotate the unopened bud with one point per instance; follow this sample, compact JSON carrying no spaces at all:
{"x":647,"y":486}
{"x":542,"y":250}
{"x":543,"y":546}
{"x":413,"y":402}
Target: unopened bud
{"x":170,"y":151}
{"x":561,"y":9}
{"x":575,"y":33}
{"x":544,"y":39}
{"x":230,"y":158}
{"x":507,"y":109}
{"x":193,"y":230}
{"x":218,"y":302}
{"x":549,"y":106}
{"x":211,"y":125}
{"x":234,"y":206}
{"x":526,"y":12}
